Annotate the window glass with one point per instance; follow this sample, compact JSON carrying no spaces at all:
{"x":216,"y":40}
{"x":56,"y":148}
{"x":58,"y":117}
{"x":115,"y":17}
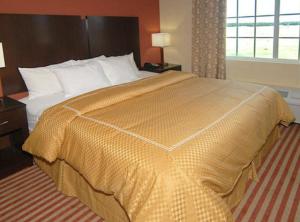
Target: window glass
{"x":246,"y":7}
{"x":246,"y":27}
{"x":288,"y":48}
{"x":264,"y":48}
{"x":246,"y":47}
{"x":265,"y":26}
{"x":232,"y":9}
{"x":289,"y":6}
{"x":231,"y":47}
{"x":265,"y":7}
{"x":231,"y":27}
{"x":255,"y":30}
{"x":289,"y":26}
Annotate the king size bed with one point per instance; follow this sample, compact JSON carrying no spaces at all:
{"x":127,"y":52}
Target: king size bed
{"x":169,"y":147}
{"x":166,"y":148}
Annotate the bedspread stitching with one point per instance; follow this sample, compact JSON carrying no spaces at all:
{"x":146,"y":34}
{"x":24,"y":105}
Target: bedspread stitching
{"x":182,"y":142}
{"x":127,"y":132}
{"x":216,"y":121}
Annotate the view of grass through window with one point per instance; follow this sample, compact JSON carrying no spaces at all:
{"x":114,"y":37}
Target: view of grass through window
{"x":263,"y":29}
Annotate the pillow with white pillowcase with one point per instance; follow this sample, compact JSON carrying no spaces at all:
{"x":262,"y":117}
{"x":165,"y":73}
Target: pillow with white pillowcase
{"x":84,"y":61}
{"x":128,"y":57}
{"x":41,"y":81}
{"x":63,"y":64}
{"x":82,"y":78}
{"x":133,"y":64}
{"x":118,"y":70}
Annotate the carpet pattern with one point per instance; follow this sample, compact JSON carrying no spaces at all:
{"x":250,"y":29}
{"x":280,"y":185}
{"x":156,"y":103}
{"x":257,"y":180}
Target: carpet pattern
{"x":30,"y":195}
{"x":276,"y":194}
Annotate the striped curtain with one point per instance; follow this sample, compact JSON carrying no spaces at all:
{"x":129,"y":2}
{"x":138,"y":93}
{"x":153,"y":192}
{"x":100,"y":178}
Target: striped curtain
{"x":208,"y":50}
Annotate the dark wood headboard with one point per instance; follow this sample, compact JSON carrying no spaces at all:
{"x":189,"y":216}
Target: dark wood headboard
{"x":113,"y":36}
{"x":40,"y":40}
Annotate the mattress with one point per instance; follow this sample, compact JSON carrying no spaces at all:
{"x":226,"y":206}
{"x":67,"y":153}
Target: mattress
{"x":35,"y":107}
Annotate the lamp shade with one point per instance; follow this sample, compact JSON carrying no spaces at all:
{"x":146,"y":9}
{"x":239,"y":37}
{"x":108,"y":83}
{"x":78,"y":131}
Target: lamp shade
{"x":160,"y":39}
{"x":2,"y":62}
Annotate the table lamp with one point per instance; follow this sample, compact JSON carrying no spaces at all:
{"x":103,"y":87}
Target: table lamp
{"x":2,"y":65}
{"x":2,"y":62}
{"x":161,"y":40}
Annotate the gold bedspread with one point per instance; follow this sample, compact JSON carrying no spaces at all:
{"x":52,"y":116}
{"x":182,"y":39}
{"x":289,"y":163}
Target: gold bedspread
{"x":167,"y":147}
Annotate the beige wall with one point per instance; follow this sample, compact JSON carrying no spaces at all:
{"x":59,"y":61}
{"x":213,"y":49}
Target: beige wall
{"x":176,"y":18}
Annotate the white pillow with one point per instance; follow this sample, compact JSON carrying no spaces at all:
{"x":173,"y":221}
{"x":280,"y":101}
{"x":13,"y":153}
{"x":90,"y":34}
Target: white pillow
{"x":84,"y":61}
{"x":41,"y":81}
{"x":133,"y":64}
{"x":118,"y":70}
{"x":78,"y":79}
{"x":63,"y":64}
{"x":130,"y":58}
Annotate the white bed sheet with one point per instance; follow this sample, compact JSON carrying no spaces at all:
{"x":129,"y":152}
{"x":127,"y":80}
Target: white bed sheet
{"x":35,"y":107}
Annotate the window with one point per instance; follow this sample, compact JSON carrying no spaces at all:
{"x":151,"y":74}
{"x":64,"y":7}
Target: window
{"x":263,"y":29}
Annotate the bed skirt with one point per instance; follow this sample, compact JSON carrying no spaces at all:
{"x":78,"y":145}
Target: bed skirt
{"x":71,"y":183}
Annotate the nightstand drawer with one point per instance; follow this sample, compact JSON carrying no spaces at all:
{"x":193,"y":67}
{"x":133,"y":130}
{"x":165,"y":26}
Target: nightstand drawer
{"x":13,"y":130}
{"x":12,"y":120}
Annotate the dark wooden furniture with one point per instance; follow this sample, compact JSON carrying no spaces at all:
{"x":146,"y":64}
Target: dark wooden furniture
{"x":13,"y":123}
{"x":163,"y":68}
{"x":114,"y":36}
{"x":40,"y":40}
{"x":36,"y":40}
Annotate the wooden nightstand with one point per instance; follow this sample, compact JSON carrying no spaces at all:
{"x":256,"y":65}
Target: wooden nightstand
{"x":163,"y":68}
{"x":13,"y":125}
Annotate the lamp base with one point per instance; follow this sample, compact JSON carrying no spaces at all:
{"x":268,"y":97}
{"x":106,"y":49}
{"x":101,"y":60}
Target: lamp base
{"x":162,"y":58}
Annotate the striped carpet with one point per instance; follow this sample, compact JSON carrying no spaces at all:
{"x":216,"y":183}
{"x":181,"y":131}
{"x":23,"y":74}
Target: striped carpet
{"x":30,"y":195}
{"x":276,"y":195}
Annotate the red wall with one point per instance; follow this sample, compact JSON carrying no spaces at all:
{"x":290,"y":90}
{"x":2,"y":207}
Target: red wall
{"x":146,"y":10}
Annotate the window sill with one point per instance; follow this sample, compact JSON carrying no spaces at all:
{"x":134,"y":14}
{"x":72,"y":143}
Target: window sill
{"x":276,"y":61}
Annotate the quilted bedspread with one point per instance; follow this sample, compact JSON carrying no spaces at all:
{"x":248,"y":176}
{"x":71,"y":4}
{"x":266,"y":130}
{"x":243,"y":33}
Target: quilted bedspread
{"x":166,"y":147}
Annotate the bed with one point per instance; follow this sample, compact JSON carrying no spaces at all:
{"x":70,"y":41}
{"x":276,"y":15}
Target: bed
{"x":146,"y":144}
{"x":169,"y":147}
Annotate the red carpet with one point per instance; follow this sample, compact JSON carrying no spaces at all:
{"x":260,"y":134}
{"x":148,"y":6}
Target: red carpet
{"x":30,"y":195}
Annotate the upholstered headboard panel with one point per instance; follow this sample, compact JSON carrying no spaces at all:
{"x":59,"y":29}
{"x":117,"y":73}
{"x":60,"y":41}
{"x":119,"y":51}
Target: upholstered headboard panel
{"x":40,"y":40}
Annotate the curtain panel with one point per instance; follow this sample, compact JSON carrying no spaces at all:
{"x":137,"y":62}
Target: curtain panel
{"x":208,"y":49}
